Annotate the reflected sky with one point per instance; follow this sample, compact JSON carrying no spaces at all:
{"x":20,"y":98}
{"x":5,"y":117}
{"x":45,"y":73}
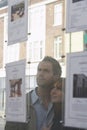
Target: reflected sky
{"x":3,"y":3}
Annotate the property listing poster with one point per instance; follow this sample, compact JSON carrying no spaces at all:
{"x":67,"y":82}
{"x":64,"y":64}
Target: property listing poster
{"x":17,"y":21}
{"x":15,"y":92}
{"x":76,"y":90}
{"x":76,"y":15}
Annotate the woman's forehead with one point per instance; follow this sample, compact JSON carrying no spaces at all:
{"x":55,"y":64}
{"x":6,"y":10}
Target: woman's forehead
{"x":58,"y":84}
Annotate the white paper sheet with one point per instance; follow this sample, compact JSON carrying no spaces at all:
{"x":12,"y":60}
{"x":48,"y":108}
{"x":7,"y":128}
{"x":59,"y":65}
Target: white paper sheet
{"x":15,"y":92}
{"x":76,"y":16}
{"x":76,"y":90}
{"x":17,"y":21}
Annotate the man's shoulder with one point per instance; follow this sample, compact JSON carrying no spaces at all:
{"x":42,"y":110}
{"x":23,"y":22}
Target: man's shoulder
{"x":30,"y":92}
{"x":33,"y":95}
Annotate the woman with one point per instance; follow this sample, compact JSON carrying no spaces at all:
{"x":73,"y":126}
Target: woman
{"x":57,"y":99}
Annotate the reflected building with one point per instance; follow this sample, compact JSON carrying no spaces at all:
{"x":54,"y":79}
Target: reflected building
{"x":79,"y":86}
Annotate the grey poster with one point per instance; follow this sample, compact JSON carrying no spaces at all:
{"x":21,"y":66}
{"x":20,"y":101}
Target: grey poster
{"x":3,"y":3}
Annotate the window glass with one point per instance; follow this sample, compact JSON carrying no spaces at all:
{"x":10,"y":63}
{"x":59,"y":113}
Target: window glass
{"x":35,"y":50}
{"x":30,"y":82}
{"x":58,"y":14}
{"x":36,"y":41}
{"x":2,"y":82}
{"x":57,"y":47}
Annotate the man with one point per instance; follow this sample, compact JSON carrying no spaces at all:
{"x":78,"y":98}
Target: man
{"x":40,"y":107}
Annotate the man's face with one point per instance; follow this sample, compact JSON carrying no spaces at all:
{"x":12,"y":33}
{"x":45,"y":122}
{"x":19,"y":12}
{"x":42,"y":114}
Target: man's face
{"x":45,"y":75}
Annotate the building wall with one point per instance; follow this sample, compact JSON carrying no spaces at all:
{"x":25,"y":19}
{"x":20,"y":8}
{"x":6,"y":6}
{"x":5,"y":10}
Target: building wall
{"x":68,"y":43}
{"x":22,"y":52}
{"x":35,"y":2}
{"x":3,"y":10}
{"x":51,"y":30}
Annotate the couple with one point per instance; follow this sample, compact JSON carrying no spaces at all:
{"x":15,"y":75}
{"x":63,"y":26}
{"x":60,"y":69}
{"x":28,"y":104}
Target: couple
{"x":45,"y":102}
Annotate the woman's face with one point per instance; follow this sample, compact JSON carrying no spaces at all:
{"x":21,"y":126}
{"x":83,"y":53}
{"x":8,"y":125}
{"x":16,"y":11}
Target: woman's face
{"x":56,"y":93}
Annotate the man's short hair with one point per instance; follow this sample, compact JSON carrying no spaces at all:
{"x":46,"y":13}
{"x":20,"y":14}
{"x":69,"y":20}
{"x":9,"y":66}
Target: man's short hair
{"x":55,"y":64}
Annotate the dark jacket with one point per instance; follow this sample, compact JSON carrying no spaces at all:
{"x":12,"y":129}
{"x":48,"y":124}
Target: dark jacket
{"x":58,"y":124}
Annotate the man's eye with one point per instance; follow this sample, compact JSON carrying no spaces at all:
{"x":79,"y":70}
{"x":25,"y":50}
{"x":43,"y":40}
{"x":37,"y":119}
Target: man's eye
{"x":39,"y":69}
